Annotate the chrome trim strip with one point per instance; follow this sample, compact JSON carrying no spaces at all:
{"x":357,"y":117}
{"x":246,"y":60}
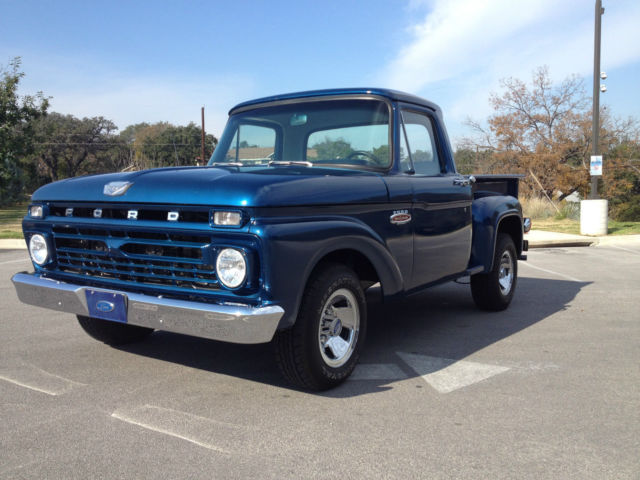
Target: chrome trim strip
{"x":228,"y":323}
{"x":444,"y":205}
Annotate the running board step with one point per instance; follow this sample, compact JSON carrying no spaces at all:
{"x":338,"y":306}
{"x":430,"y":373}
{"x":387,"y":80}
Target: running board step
{"x":474,"y":270}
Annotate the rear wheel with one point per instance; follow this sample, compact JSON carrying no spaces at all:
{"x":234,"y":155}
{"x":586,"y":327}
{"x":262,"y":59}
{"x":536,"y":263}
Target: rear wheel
{"x":113,"y":333}
{"x":321,"y":350}
{"x":494,"y":290}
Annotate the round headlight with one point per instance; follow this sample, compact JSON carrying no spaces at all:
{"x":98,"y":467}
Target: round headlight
{"x":231,"y":267}
{"x":38,"y":249}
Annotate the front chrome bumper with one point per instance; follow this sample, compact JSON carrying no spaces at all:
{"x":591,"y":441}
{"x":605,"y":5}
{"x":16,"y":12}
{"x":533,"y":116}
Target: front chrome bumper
{"x":229,"y":323}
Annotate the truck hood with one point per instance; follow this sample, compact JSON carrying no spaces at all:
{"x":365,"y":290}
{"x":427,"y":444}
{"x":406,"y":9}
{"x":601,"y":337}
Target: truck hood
{"x":253,"y":187}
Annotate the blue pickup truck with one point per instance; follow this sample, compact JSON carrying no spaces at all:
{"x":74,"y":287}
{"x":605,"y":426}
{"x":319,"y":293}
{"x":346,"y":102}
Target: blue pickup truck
{"x":308,"y":200}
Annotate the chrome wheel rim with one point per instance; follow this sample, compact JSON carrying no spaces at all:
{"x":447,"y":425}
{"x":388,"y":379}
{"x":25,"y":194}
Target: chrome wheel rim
{"x":339,"y":327}
{"x":505,"y":275}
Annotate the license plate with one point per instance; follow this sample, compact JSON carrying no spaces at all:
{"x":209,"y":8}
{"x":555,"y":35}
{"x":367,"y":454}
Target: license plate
{"x":107,"y":305}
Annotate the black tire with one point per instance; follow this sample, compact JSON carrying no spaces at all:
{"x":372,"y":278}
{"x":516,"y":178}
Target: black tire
{"x":113,"y":333}
{"x":306,"y":353}
{"x":489,"y":289}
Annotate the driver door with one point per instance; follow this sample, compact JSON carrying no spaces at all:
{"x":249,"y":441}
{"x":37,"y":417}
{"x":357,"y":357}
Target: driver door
{"x":441,"y":207}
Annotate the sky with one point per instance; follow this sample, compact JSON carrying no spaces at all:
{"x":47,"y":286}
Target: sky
{"x":147,"y":61}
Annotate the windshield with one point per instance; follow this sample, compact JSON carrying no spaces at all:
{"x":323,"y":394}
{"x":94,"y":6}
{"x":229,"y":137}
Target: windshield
{"x":337,"y":133}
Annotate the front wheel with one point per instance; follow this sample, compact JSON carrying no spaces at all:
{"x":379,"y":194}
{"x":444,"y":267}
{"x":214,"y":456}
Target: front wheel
{"x":321,"y":350}
{"x":494,"y":290}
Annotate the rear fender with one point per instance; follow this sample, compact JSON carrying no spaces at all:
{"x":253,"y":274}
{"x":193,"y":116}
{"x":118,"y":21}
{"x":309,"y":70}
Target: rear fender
{"x":491,"y":214}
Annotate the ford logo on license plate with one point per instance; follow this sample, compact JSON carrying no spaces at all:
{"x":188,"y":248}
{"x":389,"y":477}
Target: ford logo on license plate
{"x":105,"y":306}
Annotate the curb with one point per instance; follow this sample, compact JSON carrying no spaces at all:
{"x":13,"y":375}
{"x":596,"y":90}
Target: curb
{"x":13,"y":244}
{"x":562,"y":243}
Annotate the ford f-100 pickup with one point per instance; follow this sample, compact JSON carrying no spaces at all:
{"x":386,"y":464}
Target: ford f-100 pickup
{"x":308,"y":200}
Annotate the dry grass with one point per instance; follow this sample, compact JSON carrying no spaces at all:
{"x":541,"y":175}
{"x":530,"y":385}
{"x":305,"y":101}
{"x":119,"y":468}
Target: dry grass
{"x":537,"y":208}
{"x":566,"y":219}
{"x":11,"y":220}
{"x":568,"y":225}
{"x":541,"y":209}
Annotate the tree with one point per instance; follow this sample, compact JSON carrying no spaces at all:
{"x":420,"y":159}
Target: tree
{"x":67,"y":146}
{"x":383,"y":154}
{"x":17,"y":114}
{"x":163,"y":144}
{"x":540,"y":130}
{"x":543,"y":130}
{"x":332,"y":149}
{"x":621,"y":172}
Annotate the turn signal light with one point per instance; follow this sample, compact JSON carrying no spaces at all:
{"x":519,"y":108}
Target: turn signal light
{"x":227,"y":219}
{"x":36,"y":211}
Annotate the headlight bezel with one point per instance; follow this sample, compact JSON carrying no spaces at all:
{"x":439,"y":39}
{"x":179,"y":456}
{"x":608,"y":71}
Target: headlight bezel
{"x":39,"y":237}
{"x":245,"y":262}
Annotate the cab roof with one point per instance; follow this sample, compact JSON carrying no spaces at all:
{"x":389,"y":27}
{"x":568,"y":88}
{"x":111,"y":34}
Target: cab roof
{"x":393,"y":95}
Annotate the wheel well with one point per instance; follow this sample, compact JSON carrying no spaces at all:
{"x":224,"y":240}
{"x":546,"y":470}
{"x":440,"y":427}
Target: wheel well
{"x":512,"y":225}
{"x":356,"y":261}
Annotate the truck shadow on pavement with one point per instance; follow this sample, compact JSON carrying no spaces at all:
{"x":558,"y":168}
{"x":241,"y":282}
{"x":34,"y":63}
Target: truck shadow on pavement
{"x":441,"y":323}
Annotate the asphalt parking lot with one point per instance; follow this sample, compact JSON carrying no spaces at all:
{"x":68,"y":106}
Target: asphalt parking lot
{"x":548,"y":389}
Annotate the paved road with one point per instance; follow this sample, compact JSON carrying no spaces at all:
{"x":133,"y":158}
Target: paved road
{"x":548,"y":389}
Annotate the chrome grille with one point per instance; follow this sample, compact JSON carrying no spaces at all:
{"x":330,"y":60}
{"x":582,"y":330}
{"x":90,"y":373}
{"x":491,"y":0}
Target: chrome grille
{"x":178,"y":262}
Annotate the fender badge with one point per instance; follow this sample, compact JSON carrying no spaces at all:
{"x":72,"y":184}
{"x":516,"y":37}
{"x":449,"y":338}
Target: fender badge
{"x":400,"y":217}
{"x":114,"y":189}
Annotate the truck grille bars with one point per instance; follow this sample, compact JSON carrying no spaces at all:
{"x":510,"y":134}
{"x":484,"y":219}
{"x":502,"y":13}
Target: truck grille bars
{"x":177,"y":263}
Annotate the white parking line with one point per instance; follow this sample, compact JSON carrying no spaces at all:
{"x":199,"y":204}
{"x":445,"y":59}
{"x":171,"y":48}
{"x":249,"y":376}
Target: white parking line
{"x":31,"y":387}
{"x":446,"y":375}
{"x":34,"y":378}
{"x":201,"y":431}
{"x":568,"y":277}
{"x":15,"y":261}
{"x":620,"y":248}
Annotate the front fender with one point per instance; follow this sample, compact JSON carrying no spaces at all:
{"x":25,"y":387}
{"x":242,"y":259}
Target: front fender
{"x":293,"y":249}
{"x":487,"y":213}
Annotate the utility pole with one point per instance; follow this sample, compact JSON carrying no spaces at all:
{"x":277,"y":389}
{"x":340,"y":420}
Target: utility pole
{"x":594,"y":212}
{"x":202,"y":159}
{"x":596,"y":92}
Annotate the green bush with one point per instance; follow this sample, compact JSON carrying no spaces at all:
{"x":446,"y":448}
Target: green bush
{"x":569,"y":210}
{"x":627,"y":212}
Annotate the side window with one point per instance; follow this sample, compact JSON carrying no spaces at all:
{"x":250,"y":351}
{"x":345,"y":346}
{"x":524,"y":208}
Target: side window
{"x":252,"y":144}
{"x":421,"y":144}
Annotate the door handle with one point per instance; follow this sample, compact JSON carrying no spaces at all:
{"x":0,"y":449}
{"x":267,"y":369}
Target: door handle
{"x":464,"y":181}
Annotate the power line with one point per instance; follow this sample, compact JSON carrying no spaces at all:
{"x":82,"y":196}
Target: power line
{"x":95,"y":144}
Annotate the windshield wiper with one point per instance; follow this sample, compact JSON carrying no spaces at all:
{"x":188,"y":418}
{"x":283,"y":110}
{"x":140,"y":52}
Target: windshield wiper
{"x":280,"y":163}
{"x":225,"y":164}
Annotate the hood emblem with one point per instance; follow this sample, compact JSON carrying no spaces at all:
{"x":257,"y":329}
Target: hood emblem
{"x":114,"y":189}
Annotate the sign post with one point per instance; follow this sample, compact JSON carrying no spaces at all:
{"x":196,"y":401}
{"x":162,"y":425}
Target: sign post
{"x":594,"y":212}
